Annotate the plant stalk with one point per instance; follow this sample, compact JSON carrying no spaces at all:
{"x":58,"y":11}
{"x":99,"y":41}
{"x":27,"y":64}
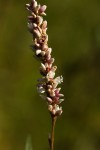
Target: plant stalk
{"x":54,"y":118}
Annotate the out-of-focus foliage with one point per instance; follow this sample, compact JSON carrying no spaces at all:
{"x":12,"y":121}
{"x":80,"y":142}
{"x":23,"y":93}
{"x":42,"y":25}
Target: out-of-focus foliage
{"x":74,"y":35}
{"x":28,"y":145}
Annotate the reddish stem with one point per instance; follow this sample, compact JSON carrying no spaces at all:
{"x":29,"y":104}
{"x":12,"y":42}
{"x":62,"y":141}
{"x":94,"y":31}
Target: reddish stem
{"x":54,"y":118}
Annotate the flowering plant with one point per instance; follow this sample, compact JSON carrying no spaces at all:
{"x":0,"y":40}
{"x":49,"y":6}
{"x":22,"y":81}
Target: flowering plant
{"x":47,"y":84}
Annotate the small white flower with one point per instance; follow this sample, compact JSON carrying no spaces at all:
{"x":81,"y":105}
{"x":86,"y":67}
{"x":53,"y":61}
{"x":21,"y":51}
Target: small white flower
{"x":57,"y":80}
{"x":35,"y":4}
{"x":56,"y":107}
{"x":34,"y":25}
{"x":40,"y":88}
{"x":50,"y":74}
{"x":55,"y":110}
{"x":38,"y":51}
{"x":58,"y":110}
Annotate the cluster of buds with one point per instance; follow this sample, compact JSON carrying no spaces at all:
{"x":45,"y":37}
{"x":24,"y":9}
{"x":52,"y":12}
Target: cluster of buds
{"x":47,"y":84}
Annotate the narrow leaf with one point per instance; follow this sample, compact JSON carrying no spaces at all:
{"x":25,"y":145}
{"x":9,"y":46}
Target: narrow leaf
{"x":28,"y":145}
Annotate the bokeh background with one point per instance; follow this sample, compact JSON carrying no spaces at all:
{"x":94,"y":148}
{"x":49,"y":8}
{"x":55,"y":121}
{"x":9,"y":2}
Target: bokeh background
{"x":74,"y":35}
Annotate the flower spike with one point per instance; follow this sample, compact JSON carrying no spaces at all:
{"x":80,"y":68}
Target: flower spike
{"x":47,"y":85}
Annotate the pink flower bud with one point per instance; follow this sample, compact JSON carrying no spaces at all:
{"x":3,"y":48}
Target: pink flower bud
{"x":42,"y":8}
{"x":49,"y":99}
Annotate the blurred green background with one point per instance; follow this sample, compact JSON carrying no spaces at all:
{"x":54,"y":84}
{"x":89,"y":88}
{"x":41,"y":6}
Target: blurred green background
{"x":74,"y":35}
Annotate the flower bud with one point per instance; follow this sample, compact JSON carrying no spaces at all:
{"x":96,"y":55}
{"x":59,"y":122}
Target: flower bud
{"x":42,"y":8}
{"x":38,"y":52}
{"x":49,"y":99}
{"x":43,"y":66}
{"x":36,"y":31}
{"x":39,"y":20}
{"x":35,"y":4}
